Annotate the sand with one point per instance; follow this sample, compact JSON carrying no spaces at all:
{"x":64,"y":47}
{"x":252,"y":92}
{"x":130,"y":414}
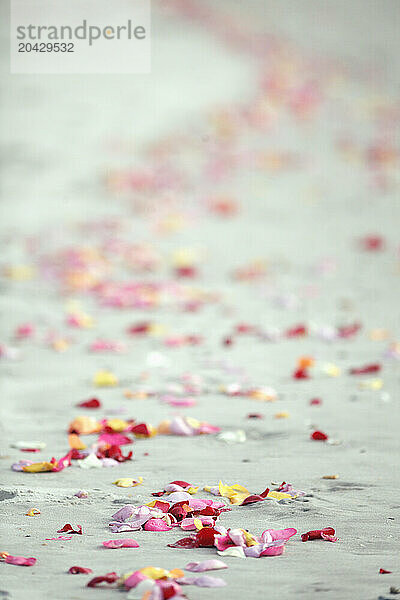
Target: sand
{"x":62,"y":136}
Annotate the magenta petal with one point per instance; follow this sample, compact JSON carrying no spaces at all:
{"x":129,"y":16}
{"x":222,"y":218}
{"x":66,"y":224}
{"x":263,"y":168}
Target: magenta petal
{"x":157,"y":525}
{"x":273,"y":551}
{"x":222,"y":542}
{"x":20,"y":561}
{"x":114,"y":439}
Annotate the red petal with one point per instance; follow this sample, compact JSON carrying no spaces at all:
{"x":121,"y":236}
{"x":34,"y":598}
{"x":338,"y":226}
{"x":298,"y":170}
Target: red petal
{"x":141,"y":429}
{"x":205,"y":537}
{"x":349,"y":330}
{"x":92,"y":403}
{"x":383,"y":571}
{"x":69,"y":529}
{"x":107,"y":578}
{"x":74,"y":570}
{"x":181,"y":483}
{"x":315,"y":401}
{"x":297,"y":331}
{"x":187,"y":542}
{"x":139,"y":328}
{"x":315,"y":534}
{"x":255,"y":498}
{"x":372,"y":242}
{"x":301,"y":374}
{"x":188,"y":271}
{"x":320,"y":436}
{"x":373,"y":368}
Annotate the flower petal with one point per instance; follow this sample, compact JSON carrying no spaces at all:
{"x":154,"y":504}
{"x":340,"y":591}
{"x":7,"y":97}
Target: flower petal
{"x":205,"y":565}
{"x":122,"y":543}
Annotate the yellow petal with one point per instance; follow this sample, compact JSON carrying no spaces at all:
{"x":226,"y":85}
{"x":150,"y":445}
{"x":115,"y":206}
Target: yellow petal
{"x":176,"y":573}
{"x":75,"y":442}
{"x":236,"y":493}
{"x":39,"y":467}
{"x":154,"y":572}
{"x":250,"y":539}
{"x":198,"y":524}
{"x":371,"y":384}
{"x":128,"y":482}
{"x":193,"y":422}
{"x":278,"y":495}
{"x":117,"y":424}
{"x":84,"y":425}
{"x":282,"y":415}
{"x":332,"y":370}
{"x":32,"y":512}
{"x":20,"y":272}
{"x":105,"y":379}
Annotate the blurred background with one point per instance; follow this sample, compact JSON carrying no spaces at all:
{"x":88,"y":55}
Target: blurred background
{"x":60,"y":134}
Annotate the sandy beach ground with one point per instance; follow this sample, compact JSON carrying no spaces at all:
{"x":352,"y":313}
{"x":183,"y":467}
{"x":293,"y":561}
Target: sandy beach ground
{"x":300,"y":138}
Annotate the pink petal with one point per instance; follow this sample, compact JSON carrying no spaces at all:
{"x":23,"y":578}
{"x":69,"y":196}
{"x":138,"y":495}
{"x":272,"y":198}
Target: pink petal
{"x":114,"y":439}
{"x":329,"y":538}
{"x":187,"y":524}
{"x":157,"y":525}
{"x":117,"y":527}
{"x":124,"y":543}
{"x":178,"y":426}
{"x":203,"y":581}
{"x":197,"y":504}
{"x":179,"y":497}
{"x":222,"y":542}
{"x":20,"y":561}
{"x":273,"y":551}
{"x":233,"y":551}
{"x":134,"y":579}
{"x":277,"y":534}
{"x":124,"y":513}
{"x":205,"y":565}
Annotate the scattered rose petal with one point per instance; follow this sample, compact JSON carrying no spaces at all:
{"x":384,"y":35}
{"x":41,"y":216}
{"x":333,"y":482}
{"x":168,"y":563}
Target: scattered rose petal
{"x":75,"y":570}
{"x":205,"y":565}
{"x":20,"y":561}
{"x":92,"y":403}
{"x":69,"y":529}
{"x":128,"y":482}
{"x":316,"y":534}
{"x":32,"y":512}
{"x":157,"y":525}
{"x":203,"y":581}
{"x":108,"y":578}
{"x":372,"y":368}
{"x":122,"y":543}
{"x":319,"y":436}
